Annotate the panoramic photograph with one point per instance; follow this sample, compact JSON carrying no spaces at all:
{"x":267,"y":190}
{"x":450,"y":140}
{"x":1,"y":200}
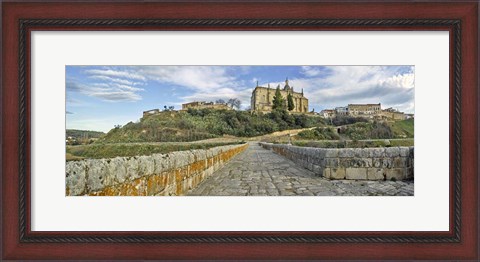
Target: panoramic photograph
{"x":308,"y":130}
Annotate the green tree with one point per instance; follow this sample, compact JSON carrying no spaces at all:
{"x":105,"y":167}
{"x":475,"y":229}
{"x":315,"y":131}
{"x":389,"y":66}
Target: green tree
{"x":278,"y":101}
{"x":290,"y":104}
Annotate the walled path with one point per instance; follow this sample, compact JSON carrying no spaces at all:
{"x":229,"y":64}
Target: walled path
{"x":261,"y":172}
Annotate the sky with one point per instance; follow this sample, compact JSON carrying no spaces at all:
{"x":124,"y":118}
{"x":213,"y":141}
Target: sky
{"x":100,"y":97}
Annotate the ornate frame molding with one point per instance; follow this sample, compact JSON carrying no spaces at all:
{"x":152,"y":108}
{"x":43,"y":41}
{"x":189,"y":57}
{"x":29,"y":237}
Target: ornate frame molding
{"x":249,"y":237}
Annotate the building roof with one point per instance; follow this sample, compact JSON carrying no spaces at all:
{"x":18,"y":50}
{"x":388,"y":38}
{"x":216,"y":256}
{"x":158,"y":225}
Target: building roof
{"x":364,"y":104}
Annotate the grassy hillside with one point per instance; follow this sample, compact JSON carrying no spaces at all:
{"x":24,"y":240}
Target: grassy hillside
{"x":201,"y":124}
{"x":363,"y":130}
{"x":404,"y":128}
{"x":81,"y":137}
{"x":319,"y":134}
{"x":79,"y":152}
{"x":83,"y":133}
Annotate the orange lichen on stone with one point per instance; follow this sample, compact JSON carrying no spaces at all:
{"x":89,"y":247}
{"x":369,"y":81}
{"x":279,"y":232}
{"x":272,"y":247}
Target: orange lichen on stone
{"x":155,"y":184}
{"x":172,"y":182}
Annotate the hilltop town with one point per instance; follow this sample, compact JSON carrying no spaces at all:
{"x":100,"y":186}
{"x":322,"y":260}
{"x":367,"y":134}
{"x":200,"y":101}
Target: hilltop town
{"x":263,"y":101}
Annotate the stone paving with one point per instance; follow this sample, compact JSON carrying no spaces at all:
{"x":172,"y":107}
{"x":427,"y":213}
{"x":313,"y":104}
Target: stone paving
{"x":261,"y":172}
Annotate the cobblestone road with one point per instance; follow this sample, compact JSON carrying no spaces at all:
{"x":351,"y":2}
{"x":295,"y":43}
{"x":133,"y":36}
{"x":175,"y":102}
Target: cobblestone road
{"x":260,"y":172}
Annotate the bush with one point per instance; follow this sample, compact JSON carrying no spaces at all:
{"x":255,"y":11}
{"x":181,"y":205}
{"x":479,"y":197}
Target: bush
{"x":319,"y":134}
{"x":375,"y":130}
{"x":347,"y":120}
{"x":197,"y":124}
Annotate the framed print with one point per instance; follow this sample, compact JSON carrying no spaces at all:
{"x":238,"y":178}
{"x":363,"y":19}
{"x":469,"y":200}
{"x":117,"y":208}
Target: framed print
{"x":242,"y":130}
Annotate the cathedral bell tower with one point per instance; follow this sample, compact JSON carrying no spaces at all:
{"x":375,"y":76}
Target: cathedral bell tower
{"x":287,"y":87}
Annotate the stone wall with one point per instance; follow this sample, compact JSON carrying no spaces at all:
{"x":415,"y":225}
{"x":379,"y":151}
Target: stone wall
{"x":159,"y":174}
{"x":390,"y":163}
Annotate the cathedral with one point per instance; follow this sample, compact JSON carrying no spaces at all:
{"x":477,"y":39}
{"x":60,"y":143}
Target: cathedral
{"x":262,"y":98}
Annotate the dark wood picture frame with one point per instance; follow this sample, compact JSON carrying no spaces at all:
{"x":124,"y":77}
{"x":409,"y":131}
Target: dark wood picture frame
{"x":20,"y":18}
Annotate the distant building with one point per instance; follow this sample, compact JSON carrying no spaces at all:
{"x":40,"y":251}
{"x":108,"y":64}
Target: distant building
{"x":262,"y":98}
{"x":328,"y":113}
{"x":151,"y":112}
{"x":341,"y":110}
{"x":364,"y":109}
{"x":373,"y":111}
{"x":392,"y":114}
{"x":203,"y":105}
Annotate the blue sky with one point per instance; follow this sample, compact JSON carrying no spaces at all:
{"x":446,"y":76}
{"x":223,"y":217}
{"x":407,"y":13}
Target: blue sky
{"x":99,"y":97}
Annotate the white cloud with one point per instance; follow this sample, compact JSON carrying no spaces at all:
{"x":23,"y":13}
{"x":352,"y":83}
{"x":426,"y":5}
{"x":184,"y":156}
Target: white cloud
{"x":206,"y":83}
{"x":116,"y":95}
{"x":129,"y":88}
{"x":310,"y":71}
{"x":116,"y":73}
{"x":105,"y":92}
{"x":197,"y":78}
{"x":111,"y":85}
{"x":360,"y":84}
{"x":115,"y":80}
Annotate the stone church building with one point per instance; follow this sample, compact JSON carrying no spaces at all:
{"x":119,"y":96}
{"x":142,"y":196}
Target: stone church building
{"x":262,"y":98}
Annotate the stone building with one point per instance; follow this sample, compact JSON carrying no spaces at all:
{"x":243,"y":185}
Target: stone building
{"x":364,"y":109}
{"x":262,"y":98}
{"x":203,"y":104}
{"x":328,"y":113}
{"x":391,"y":114}
{"x":151,"y":112}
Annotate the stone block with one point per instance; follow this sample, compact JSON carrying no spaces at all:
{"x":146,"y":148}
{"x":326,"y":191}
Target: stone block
{"x":392,"y":152}
{"x":319,"y":153}
{"x":410,"y":173}
{"x":145,"y":165}
{"x":131,"y":164}
{"x":158,"y":168}
{"x":346,"y":152}
{"x":344,"y":162}
{"x":375,"y":174}
{"x":164,"y":162}
{"x":318,"y":170}
{"x":326,"y":173}
{"x":190,"y":157}
{"x":155,"y":184}
{"x":75,"y":178}
{"x":404,"y":151}
{"x":96,"y":174}
{"x":332,"y":162}
{"x":359,"y":162}
{"x":337,"y":173}
{"x":356,"y":173}
{"x":331,"y":153}
{"x":368,"y":162}
{"x":396,"y":174}
{"x":399,"y":162}
{"x":376,"y":152}
{"x":320,"y":162}
{"x":377,"y":162}
{"x":387,"y":163}
{"x":361,"y":152}
{"x":310,"y":166}
{"x":310,"y":152}
{"x":355,"y":162}
{"x":118,"y":169}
